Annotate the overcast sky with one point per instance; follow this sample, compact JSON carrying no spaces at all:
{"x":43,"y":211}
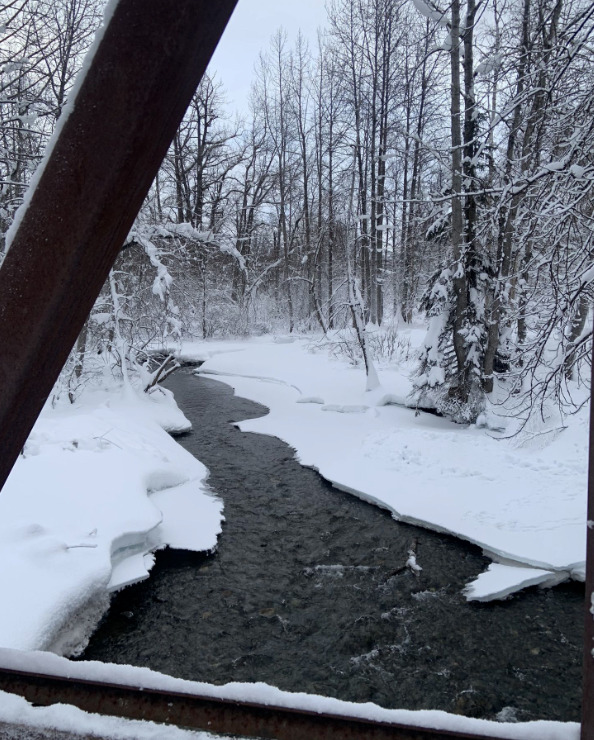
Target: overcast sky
{"x":249,"y":32}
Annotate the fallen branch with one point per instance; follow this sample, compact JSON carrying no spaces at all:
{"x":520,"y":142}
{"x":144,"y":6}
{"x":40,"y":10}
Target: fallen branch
{"x":162,"y":372}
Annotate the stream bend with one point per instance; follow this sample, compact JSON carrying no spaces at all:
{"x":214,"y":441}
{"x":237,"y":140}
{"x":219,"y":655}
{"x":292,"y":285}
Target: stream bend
{"x":307,"y":592}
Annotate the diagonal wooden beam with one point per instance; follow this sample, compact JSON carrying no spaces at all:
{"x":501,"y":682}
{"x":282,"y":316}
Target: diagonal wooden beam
{"x":143,"y":74}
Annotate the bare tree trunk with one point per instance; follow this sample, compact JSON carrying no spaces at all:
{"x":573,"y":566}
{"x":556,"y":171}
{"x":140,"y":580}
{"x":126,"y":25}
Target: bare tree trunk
{"x":577,"y":327}
{"x":404,"y":257}
{"x":457,"y":228}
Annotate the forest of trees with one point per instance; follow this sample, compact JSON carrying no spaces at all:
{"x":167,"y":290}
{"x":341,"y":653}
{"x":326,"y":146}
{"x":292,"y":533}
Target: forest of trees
{"x":420,"y":162}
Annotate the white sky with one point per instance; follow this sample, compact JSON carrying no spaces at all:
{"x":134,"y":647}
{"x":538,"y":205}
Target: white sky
{"x":249,"y":32}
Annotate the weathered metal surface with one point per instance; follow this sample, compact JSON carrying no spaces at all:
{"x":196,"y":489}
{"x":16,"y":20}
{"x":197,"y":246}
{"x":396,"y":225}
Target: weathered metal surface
{"x":588,"y":682}
{"x":205,"y":713}
{"x":142,"y":78}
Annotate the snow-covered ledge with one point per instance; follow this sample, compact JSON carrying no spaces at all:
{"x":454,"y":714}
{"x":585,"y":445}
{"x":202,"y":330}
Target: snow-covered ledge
{"x":98,"y":487}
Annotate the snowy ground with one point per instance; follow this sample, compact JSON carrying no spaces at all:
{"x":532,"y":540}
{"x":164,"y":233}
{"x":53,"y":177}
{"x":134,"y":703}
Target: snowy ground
{"x":97,"y":489}
{"x":523,"y":500}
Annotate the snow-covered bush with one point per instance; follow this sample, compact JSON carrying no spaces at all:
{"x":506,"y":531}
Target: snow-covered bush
{"x":134,"y":313}
{"x":386,"y":344}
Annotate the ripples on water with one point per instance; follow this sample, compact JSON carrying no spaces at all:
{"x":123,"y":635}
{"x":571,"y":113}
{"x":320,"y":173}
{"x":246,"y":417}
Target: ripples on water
{"x":307,"y":592}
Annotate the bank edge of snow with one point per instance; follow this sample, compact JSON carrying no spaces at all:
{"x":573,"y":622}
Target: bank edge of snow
{"x":500,"y":581}
{"x":523,"y":506}
{"x":97,"y":488}
{"x":46,"y":663}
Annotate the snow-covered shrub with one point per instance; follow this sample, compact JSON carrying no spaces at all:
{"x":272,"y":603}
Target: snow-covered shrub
{"x":388,"y":344}
{"x":134,"y":313}
{"x":344,"y":345}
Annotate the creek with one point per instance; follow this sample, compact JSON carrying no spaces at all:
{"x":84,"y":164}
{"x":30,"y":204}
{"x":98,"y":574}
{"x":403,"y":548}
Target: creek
{"x":307,"y":591}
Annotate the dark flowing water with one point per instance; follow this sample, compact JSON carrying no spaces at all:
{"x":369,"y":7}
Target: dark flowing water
{"x":307,"y":592}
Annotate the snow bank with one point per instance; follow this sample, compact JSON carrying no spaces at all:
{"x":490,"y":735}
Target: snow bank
{"x":263,"y":693}
{"x":76,"y":521}
{"x":525,"y":506}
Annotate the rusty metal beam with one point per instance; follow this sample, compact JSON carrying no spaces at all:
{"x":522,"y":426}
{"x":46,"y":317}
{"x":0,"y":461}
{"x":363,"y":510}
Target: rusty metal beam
{"x":133,"y":97}
{"x":587,"y":730}
{"x":213,"y":715}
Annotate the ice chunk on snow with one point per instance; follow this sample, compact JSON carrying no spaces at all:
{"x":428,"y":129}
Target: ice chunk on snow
{"x":412,"y":563}
{"x":310,"y":399}
{"x":380,"y":397}
{"x":191,"y":517}
{"x":128,"y":571}
{"x":499,"y":581}
{"x":578,"y":572}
